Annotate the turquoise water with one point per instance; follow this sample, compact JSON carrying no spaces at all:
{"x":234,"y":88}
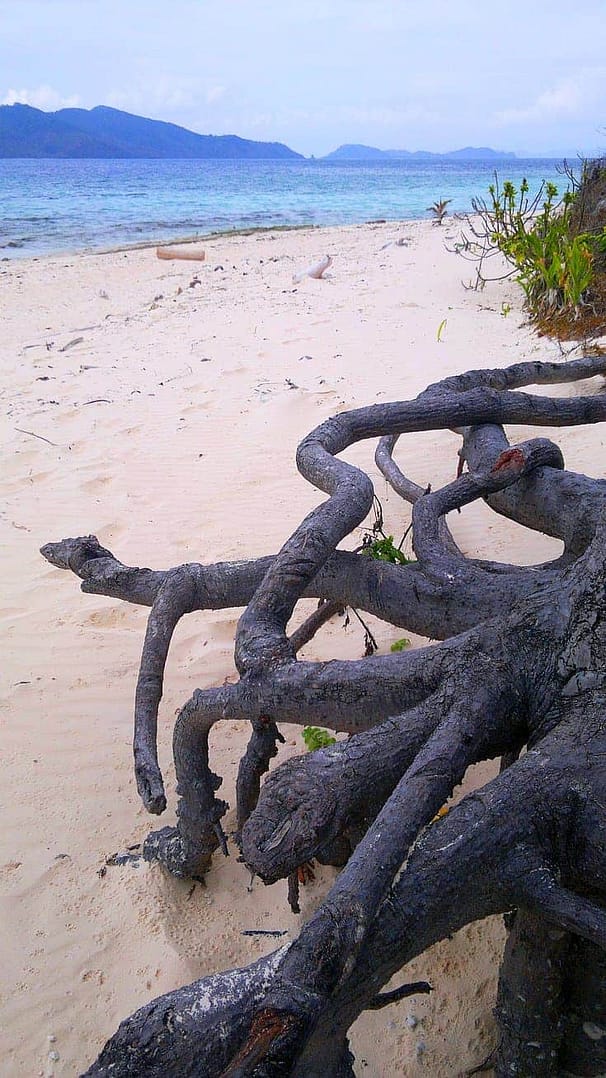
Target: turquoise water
{"x":50,"y":206}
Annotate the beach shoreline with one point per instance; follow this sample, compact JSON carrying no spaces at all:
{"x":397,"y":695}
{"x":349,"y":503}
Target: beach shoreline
{"x":62,"y":206}
{"x":175,"y":241}
{"x":158,"y":405}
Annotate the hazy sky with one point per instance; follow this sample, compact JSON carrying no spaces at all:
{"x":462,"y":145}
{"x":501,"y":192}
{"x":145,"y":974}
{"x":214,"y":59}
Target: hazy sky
{"x":431,"y":74}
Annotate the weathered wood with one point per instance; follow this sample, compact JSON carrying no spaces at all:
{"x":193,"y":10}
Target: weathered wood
{"x":520,"y":664}
{"x":182,"y":251}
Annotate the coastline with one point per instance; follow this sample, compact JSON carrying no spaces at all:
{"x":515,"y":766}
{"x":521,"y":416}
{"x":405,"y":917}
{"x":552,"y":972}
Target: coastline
{"x":159,"y":406}
{"x":175,"y":241}
{"x":67,"y":206}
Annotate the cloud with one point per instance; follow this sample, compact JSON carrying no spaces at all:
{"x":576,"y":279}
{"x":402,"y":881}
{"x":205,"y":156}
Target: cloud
{"x":564,"y":99}
{"x":168,"y":96}
{"x":43,"y":97}
{"x":385,"y":116}
{"x":344,"y":118}
{"x":568,"y":98}
{"x":215,"y":93}
{"x":152,"y":94}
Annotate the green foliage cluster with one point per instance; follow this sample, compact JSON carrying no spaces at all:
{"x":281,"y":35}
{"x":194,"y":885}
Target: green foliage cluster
{"x":383,"y":548}
{"x":553,"y":263}
{"x":400,"y":645}
{"x":317,"y":738}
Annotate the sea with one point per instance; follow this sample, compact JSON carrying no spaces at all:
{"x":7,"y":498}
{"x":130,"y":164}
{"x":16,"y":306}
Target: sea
{"x":52,"y":206}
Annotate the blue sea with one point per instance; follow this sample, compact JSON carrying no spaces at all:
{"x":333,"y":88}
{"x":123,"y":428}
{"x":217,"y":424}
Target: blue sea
{"x":52,"y":206}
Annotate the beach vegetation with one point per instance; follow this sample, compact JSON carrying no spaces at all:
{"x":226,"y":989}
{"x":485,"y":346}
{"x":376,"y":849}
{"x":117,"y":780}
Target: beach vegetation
{"x":376,"y":543}
{"x":553,"y":246}
{"x":383,"y":548}
{"x":317,"y":738}
{"x":438,"y":209}
{"x":400,"y":645}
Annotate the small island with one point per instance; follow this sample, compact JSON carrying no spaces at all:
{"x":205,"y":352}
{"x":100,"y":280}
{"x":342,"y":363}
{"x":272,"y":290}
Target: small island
{"x":356,"y":152}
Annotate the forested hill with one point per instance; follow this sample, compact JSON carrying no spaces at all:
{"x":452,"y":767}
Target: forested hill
{"x":110,"y":133}
{"x":354,"y":152}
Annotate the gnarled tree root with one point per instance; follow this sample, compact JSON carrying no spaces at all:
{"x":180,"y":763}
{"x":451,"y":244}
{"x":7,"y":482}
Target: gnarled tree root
{"x":521,"y":664}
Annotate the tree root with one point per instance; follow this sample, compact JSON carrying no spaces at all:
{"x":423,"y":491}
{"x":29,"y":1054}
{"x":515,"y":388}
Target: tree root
{"x":521,"y":663}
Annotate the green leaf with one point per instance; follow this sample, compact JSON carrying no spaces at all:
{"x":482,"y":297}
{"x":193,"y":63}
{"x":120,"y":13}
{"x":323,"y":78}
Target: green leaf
{"x":317,"y":738}
{"x":385,"y":550}
{"x":400,"y":645}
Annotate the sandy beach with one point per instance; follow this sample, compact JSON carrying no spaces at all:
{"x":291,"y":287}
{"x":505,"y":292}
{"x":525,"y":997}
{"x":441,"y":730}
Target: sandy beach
{"x":158,"y":405}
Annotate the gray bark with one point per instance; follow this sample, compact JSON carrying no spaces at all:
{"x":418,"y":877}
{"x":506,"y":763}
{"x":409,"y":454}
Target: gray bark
{"x":520,"y":664}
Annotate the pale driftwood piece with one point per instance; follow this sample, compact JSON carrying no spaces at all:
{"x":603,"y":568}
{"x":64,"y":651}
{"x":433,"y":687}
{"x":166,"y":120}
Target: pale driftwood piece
{"x":316,"y":271}
{"x":184,"y":252}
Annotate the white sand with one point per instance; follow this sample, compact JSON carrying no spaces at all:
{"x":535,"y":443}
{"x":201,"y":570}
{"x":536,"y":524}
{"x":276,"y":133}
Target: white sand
{"x":174,"y":423}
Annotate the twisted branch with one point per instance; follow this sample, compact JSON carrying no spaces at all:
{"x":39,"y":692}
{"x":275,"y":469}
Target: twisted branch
{"x":532,"y":675}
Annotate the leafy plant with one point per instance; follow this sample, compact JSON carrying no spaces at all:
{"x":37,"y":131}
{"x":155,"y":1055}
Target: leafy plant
{"x":553,"y":267}
{"x":376,"y":544}
{"x":400,"y":645}
{"x":439,"y":210}
{"x":317,"y":738}
{"x":384,"y":549}
{"x":553,"y":263}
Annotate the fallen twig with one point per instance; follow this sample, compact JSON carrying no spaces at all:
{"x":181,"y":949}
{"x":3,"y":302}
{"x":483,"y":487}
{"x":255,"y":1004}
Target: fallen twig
{"x":276,"y":932}
{"x":71,"y":344}
{"x":39,"y":436}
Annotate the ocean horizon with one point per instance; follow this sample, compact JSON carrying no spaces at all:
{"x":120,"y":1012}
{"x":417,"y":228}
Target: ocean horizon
{"x":56,"y":206}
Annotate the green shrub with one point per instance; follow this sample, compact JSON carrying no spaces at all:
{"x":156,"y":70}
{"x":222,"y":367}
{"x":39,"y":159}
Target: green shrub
{"x":555,"y":248}
{"x":553,"y":266}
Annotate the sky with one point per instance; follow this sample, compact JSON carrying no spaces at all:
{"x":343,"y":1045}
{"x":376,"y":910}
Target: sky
{"x":427,"y":74}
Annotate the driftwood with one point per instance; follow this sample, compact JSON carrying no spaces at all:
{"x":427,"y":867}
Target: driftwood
{"x":183,"y":251}
{"x":316,"y":271}
{"x":520,"y":665}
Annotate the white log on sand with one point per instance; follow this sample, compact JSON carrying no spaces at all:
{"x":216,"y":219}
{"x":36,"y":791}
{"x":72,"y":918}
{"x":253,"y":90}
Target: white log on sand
{"x":184,"y":251}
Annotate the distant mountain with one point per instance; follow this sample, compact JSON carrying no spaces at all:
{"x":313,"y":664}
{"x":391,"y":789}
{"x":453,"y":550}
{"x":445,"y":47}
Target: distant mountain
{"x":479,"y":153}
{"x":352,"y":151}
{"x":110,"y":133}
{"x":355,"y":152}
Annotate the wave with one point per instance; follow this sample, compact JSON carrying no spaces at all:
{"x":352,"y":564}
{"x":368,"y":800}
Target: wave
{"x":92,"y":205}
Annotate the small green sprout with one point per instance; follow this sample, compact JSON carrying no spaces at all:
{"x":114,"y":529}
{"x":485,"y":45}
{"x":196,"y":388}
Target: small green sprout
{"x":384,"y":549}
{"x":441,"y":328}
{"x":317,"y":738}
{"x":400,"y":645}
